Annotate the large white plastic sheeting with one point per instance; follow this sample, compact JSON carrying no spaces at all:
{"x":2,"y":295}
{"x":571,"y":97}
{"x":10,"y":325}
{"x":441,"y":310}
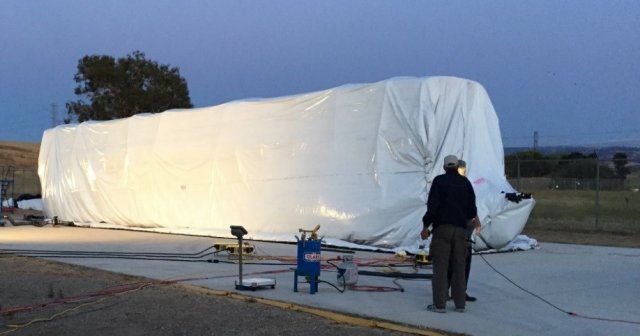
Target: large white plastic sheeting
{"x":356,"y":159}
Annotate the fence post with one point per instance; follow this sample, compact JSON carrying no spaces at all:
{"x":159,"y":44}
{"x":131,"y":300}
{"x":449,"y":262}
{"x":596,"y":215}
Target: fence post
{"x":597,"y":194}
{"x":517,"y":158}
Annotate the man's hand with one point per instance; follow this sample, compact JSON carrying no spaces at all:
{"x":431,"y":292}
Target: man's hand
{"x":424,"y":234}
{"x":476,"y":222}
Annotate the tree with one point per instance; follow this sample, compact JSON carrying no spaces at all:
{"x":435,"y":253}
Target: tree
{"x":527,"y":164}
{"x":112,"y":89}
{"x":578,"y":165}
{"x":620,"y":164}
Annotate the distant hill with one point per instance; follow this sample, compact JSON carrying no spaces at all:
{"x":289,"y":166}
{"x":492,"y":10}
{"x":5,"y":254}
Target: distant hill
{"x":604,"y":153}
{"x":19,"y":154}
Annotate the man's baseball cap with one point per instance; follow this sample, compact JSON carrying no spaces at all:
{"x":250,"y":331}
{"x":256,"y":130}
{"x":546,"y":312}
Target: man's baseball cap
{"x":450,"y":161}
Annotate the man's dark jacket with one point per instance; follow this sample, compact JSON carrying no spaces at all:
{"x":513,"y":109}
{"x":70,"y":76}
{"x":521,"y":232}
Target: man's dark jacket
{"x":451,"y":201}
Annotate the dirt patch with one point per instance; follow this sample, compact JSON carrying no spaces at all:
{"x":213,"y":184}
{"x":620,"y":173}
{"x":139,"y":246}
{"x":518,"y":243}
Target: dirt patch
{"x":39,"y":297}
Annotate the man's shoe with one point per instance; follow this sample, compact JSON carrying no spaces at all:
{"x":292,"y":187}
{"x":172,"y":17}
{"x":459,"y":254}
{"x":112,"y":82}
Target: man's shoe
{"x":460,"y":310}
{"x":434,"y":309}
{"x":466,"y":297}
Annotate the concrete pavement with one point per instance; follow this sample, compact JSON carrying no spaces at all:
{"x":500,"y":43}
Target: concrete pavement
{"x":599,"y":284}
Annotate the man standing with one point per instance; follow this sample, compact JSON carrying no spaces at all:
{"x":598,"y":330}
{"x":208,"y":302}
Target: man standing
{"x":462,"y":170}
{"x":451,"y":205}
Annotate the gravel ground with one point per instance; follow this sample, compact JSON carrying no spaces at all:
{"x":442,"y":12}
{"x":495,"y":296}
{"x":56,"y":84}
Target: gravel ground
{"x":39,"y":297}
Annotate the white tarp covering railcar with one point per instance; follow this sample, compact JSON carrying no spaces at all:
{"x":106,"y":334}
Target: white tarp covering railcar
{"x":356,"y":159}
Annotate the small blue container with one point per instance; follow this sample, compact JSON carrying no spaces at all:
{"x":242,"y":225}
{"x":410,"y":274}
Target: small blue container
{"x":309,"y":260}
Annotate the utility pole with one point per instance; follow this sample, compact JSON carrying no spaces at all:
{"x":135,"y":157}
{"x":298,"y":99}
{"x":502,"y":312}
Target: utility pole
{"x":518,"y":159}
{"x":54,"y":115}
{"x":535,"y":141}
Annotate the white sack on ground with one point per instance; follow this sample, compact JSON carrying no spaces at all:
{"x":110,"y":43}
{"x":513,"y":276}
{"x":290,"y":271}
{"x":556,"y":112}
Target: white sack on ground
{"x":7,"y":202}
{"x":356,"y":159}
{"x":31,"y":204}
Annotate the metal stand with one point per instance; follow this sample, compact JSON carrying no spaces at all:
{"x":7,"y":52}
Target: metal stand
{"x":253,"y":283}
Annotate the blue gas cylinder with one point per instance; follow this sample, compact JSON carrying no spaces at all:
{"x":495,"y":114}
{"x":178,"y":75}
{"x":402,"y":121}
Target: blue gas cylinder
{"x":309,"y":257}
{"x":309,"y":260}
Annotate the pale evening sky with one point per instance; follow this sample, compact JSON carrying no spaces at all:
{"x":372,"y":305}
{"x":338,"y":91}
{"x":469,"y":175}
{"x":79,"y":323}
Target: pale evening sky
{"x":567,"y":69}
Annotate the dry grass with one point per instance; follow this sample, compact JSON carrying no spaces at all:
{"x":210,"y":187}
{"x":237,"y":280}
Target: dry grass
{"x":575,"y":211}
{"x":23,"y":156}
{"x":19,"y":154}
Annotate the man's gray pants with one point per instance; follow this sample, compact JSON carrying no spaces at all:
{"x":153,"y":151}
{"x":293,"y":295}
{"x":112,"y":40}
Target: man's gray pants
{"x":448,"y":244}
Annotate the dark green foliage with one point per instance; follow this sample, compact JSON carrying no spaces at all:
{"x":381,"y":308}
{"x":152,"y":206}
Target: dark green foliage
{"x":620,"y":162}
{"x":578,"y":165}
{"x":113,"y":89}
{"x":527,"y":164}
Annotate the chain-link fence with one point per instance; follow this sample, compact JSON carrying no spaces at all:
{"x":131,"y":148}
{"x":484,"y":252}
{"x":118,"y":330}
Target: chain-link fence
{"x":586,"y":194}
{"x":17,"y":182}
{"x":582,"y":194}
